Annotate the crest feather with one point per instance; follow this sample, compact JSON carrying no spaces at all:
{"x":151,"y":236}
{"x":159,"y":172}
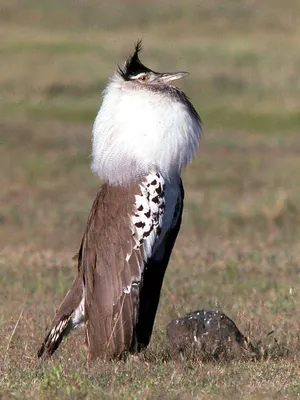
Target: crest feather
{"x":133,"y":65}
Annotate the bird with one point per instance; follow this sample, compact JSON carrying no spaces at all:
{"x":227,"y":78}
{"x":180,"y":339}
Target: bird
{"x":145,"y":133}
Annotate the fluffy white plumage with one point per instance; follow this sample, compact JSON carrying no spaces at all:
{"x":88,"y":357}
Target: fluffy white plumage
{"x":138,"y":130}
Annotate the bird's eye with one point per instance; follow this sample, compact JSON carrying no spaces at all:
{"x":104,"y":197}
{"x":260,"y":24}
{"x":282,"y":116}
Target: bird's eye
{"x":143,"y":78}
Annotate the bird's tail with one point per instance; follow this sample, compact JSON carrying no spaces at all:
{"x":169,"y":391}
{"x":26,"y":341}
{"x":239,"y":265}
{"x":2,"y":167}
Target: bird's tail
{"x":55,"y":336}
{"x":65,"y":319}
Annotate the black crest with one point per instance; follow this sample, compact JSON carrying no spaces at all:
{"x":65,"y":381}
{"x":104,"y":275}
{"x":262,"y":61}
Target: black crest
{"x":133,"y":65}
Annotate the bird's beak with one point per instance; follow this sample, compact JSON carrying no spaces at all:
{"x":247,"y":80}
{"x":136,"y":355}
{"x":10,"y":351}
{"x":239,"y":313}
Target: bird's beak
{"x":172,"y":76}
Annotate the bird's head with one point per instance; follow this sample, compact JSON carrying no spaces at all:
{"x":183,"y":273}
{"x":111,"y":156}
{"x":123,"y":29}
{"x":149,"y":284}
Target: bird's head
{"x":135,"y":71}
{"x":144,"y":124}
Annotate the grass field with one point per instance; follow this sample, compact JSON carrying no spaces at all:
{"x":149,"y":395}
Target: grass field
{"x":239,"y":246}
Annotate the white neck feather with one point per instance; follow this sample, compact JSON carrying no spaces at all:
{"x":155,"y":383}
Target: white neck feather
{"x":138,"y":130}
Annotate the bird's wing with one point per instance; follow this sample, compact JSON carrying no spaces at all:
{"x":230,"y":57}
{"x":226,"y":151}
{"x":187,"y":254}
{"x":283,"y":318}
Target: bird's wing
{"x":122,"y":230}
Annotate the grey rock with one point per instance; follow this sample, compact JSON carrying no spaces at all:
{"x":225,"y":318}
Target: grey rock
{"x":207,"y":335}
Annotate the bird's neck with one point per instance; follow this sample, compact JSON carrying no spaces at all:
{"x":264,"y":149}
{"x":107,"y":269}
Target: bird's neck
{"x":138,"y":131}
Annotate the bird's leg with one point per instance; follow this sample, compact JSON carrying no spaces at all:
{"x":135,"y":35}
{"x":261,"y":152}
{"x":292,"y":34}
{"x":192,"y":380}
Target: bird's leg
{"x":135,"y":288}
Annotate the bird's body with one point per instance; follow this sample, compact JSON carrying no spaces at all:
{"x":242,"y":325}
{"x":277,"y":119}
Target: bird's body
{"x":144,"y":134}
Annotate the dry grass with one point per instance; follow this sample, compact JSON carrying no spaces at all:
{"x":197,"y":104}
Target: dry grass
{"x":239,"y":247}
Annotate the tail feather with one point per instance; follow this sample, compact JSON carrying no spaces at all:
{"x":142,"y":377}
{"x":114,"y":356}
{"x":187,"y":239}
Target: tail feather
{"x":55,"y":336}
{"x":66,"y":318}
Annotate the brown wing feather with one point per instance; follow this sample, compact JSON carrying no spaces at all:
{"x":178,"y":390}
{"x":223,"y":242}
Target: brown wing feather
{"x":107,"y":274}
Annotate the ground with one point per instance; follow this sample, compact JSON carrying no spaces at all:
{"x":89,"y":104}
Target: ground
{"x":239,"y":246}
